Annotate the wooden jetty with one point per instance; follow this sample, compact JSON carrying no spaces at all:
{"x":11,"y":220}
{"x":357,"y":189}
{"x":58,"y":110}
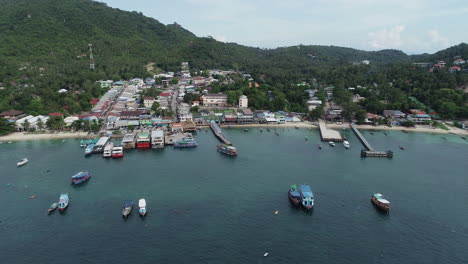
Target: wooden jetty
{"x":218,"y":133}
{"x":370,"y":152}
{"x":329,"y":134}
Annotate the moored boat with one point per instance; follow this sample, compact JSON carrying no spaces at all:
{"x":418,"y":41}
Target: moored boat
{"x":52,"y":207}
{"x":22,"y":162}
{"x":89,"y":149}
{"x":117,"y":152}
{"x":142,"y":205}
{"x":331,"y":143}
{"x":63,"y":201}
{"x":346,"y":144}
{"x":307,"y":196}
{"x":80,"y":177}
{"x":82,"y":143}
{"x":186,"y":142}
{"x":227,"y":149}
{"x":108,"y":150}
{"x":319,"y":146}
{"x":381,"y":203}
{"x":127,"y":209}
{"x":294,"y":195}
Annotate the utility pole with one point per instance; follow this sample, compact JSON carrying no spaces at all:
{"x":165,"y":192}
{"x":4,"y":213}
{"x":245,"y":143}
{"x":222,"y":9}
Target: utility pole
{"x":91,"y":57}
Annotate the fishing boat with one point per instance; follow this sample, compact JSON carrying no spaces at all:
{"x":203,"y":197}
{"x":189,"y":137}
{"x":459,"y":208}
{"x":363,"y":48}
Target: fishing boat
{"x":63,"y":201}
{"x":268,"y":129}
{"x":127,"y":209}
{"x":89,"y":149}
{"x":142,"y":205}
{"x":319,"y":146}
{"x":385,"y":133}
{"x":277,"y":133}
{"x":80,"y":177}
{"x":22,"y":162}
{"x":307,"y":196}
{"x":108,"y":150}
{"x":246,"y":130}
{"x":294,"y":195}
{"x":82,"y":143}
{"x":227,"y":149}
{"x":52,"y":207}
{"x":331,"y":143}
{"x":186,"y":142}
{"x":296,"y":127}
{"x":381,"y":203}
{"x":401,"y":147}
{"x":117,"y":152}
{"x":346,"y":144}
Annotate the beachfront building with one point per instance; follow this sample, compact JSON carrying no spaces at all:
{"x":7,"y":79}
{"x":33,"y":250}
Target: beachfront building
{"x":11,"y":114}
{"x":157,"y":139}
{"x":419,"y":118}
{"x":69,"y":120}
{"x":31,"y":123}
{"x":243,"y":102}
{"x":214,"y":99}
{"x":394,"y":114}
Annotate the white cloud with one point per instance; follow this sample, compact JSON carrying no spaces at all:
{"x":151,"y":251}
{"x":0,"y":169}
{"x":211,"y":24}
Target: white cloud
{"x":387,"y":38}
{"x":437,"y":39}
{"x":221,"y":38}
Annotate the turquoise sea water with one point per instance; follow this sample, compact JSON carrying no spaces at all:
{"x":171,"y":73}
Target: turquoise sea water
{"x":205,"y":207}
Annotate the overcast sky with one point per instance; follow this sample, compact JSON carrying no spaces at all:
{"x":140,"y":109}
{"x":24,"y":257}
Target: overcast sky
{"x":414,"y":26}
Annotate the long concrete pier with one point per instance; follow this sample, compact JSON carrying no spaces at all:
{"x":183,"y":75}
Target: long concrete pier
{"x":218,"y":133}
{"x":370,"y":152}
{"x":328,"y":134}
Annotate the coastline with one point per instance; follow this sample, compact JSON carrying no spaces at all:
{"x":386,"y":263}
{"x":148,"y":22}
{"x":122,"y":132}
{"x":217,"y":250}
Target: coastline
{"x":20,"y":136}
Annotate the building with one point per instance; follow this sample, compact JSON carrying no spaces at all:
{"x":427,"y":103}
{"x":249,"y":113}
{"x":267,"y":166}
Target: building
{"x":243,"y":102}
{"x":394,"y":114}
{"x":11,"y":114}
{"x":148,"y":101}
{"x":313,"y":103}
{"x":157,"y":139}
{"x":465,"y":125}
{"x":459,"y":61}
{"x":454,"y":69}
{"x":214,"y":99}
{"x":130,"y":115}
{"x":69,"y":120}
{"x":419,"y":118}
{"x":195,"y":103}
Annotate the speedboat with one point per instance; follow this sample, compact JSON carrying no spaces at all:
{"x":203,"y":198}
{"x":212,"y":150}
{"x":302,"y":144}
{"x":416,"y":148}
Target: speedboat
{"x":80,"y":177}
{"x":142,"y":205}
{"x":381,"y":203}
{"x":127,"y":209}
{"x":89,"y":149}
{"x":52,"y":207}
{"x":346,"y":144}
{"x":331,"y":143}
{"x":63,"y":201}
{"x":22,"y":162}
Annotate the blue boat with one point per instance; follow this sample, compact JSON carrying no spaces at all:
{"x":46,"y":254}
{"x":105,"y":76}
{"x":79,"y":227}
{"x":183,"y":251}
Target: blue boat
{"x":307,"y":196}
{"x":89,"y":149}
{"x":63,"y":201}
{"x":80,"y":177}
{"x":186,"y":142}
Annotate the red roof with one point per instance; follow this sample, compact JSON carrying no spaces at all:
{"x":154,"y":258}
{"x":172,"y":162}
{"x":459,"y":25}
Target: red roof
{"x":165,"y":94}
{"x":55,"y":114}
{"x":455,"y":68}
{"x":94,"y":101}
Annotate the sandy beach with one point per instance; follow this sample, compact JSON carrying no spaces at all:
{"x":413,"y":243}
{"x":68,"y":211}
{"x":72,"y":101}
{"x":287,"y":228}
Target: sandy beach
{"x":19,"y":136}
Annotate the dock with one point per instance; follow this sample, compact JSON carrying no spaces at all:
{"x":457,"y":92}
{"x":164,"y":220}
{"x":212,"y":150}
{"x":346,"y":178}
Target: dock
{"x":329,"y":134}
{"x":369,"y":151}
{"x":218,"y":133}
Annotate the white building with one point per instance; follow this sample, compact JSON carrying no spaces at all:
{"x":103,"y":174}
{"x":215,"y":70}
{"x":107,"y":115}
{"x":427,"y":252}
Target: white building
{"x":243,"y":102}
{"x":214,"y":99}
{"x":148,"y":101}
{"x":69,"y":120}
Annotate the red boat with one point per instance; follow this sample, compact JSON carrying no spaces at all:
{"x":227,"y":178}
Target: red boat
{"x":117,"y":152}
{"x":143,"y":140}
{"x":294,"y":195}
{"x":381,"y":203}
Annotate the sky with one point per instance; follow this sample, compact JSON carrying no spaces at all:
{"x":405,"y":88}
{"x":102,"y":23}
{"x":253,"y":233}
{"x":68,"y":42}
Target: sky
{"x":413,"y":26}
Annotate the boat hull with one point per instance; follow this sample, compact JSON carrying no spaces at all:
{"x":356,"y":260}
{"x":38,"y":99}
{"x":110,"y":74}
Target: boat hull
{"x":81,"y":180}
{"x":296,"y":201}
{"x":116,"y":156}
{"x":382,"y":207}
{"x":143,"y":145}
{"x":227,"y":152}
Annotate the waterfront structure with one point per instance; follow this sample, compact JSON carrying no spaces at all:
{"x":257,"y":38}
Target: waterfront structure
{"x":328,"y":134}
{"x":243,"y":102}
{"x":157,"y":139}
{"x":99,"y":147}
{"x":128,"y":141}
{"x":370,"y":152}
{"x":143,"y":140}
{"x":214,"y":99}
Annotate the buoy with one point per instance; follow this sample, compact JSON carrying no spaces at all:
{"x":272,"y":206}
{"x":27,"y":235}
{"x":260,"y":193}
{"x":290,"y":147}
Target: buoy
{"x":276,"y":212}
{"x":266,"y":254}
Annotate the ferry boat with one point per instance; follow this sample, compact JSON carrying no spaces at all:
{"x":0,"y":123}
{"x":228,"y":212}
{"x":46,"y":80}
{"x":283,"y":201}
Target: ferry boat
{"x":157,"y":139}
{"x":186,"y":142}
{"x":80,"y":177}
{"x":89,"y":149}
{"x":128,"y":141}
{"x":294,"y":195}
{"x":381,"y":203}
{"x":127,"y":209}
{"x":22,"y":162}
{"x":346,"y":144}
{"x":307,"y":196}
{"x":142,"y":205}
{"x":227,"y":149}
{"x":63,"y":201}
{"x":143,"y":140}
{"x":331,"y":143}
{"x":108,"y":150}
{"x":117,"y":152}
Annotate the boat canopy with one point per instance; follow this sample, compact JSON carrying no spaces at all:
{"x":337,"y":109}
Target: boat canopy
{"x":306,"y":190}
{"x":383,"y":201}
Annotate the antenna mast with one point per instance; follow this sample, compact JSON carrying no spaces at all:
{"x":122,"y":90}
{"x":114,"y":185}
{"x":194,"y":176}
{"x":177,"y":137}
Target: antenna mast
{"x":91,"y":57}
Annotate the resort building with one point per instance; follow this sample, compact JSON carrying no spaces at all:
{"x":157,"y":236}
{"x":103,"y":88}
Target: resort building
{"x":214,"y":99}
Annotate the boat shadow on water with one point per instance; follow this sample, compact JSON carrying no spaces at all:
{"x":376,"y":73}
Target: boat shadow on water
{"x":81,"y":185}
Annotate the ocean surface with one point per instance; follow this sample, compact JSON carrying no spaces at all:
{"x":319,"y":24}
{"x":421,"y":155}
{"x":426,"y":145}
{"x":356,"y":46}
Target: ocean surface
{"x":205,"y":207}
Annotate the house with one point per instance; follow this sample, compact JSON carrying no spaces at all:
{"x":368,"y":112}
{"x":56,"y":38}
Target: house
{"x":148,"y":101}
{"x":200,"y":81}
{"x":62,"y":91}
{"x":419,"y":118}
{"x":357,"y":98}
{"x":365,"y":62}
{"x":94,"y":101}
{"x":177,"y":127}
{"x":394,"y":114}
{"x":11,"y":114}
{"x":454,"y":69}
{"x":459,"y":61}
{"x":130,"y":115}
{"x":246,"y":117}
{"x":69,"y":120}
{"x":465,"y":125}
{"x":56,"y":114}
{"x":165,"y":94}
{"x":214,"y":99}
{"x":195,"y":103}
{"x":243,"y":102}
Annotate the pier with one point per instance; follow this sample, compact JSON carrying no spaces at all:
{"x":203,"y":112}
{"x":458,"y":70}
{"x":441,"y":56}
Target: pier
{"x":329,"y":134}
{"x":218,"y":133}
{"x":370,"y":152}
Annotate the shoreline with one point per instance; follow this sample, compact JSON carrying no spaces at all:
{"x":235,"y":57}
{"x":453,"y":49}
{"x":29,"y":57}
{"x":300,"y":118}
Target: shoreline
{"x":20,"y":136}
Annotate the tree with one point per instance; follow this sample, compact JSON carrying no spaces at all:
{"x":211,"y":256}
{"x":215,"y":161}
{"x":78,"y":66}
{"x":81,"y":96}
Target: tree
{"x":40,"y":125}
{"x":155,"y":107}
{"x":131,"y":127}
{"x":26,"y":125}
{"x":6,"y":127}
{"x":361,"y":116}
{"x":77,"y":125}
{"x":55,"y":123}
{"x":316,"y":113}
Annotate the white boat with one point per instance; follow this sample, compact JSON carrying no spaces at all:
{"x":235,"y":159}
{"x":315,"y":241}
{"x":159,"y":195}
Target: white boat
{"x":142,"y":205}
{"x":22,"y":162}
{"x":331,"y":143}
{"x":108,"y":150}
{"x":346,"y":144}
